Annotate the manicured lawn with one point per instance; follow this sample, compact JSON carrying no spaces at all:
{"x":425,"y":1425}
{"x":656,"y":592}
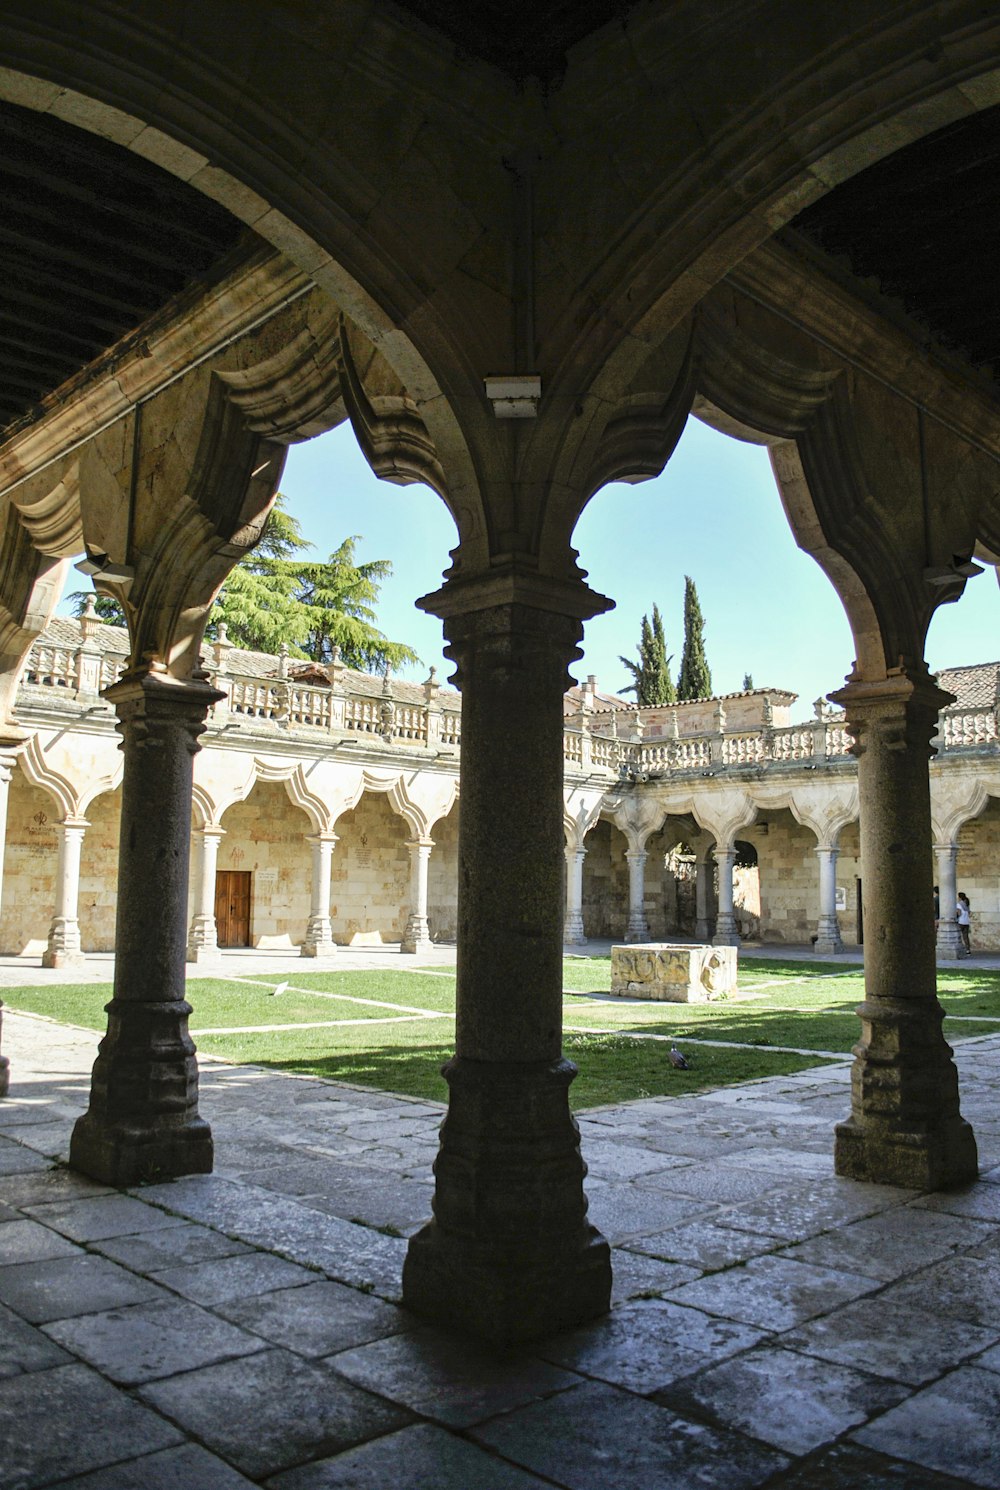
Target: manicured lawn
{"x":394,"y":1029}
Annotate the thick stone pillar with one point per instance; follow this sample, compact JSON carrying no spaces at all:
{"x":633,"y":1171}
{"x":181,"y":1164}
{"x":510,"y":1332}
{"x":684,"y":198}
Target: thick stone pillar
{"x":64,"y":948}
{"x":7,"y":758}
{"x":905,"y":1126}
{"x":726,"y":931}
{"x":949,"y":938}
{"x":573,"y":932}
{"x":319,"y":940}
{"x":143,"y":1121}
{"x":510,"y":1254}
{"x":203,"y":937}
{"x":828,"y":926}
{"x":417,"y":936}
{"x":704,"y":919}
{"x":638,"y":926}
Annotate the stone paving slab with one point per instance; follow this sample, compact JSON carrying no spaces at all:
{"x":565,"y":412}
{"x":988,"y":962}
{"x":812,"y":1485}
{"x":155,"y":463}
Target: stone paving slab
{"x":433,"y":1459}
{"x":58,"y":1423}
{"x":773,"y":1292}
{"x":66,"y":1286}
{"x":319,"y":1319}
{"x":596,"y":1436}
{"x":788,"y":1400}
{"x":950,"y":1426}
{"x":907,"y":1284}
{"x":451,"y":1380}
{"x":186,"y":1468}
{"x":149,"y":1341}
{"x":270,"y":1411}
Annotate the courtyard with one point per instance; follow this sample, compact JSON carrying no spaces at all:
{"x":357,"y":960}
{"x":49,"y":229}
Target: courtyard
{"x":773,"y":1325}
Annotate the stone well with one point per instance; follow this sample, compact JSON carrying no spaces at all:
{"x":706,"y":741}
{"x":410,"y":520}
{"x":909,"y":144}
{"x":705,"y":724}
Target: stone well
{"x":677,"y":973}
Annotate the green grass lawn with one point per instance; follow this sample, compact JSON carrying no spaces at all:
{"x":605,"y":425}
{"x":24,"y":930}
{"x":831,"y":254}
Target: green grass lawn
{"x":394,"y":1029}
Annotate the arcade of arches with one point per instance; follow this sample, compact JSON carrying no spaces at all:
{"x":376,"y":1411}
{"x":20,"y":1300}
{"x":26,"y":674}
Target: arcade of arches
{"x":536,"y":249}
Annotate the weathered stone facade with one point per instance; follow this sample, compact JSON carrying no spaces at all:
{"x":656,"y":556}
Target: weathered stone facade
{"x":267,"y":776}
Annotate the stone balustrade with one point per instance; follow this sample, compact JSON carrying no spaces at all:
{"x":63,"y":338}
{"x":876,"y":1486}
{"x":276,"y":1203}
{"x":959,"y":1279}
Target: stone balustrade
{"x":590,"y":746}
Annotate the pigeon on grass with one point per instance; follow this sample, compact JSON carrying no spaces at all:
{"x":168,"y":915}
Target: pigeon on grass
{"x":280,"y":989}
{"x":678,"y":1060}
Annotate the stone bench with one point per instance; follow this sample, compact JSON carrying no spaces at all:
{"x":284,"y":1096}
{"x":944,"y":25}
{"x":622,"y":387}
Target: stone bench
{"x":679,"y":974}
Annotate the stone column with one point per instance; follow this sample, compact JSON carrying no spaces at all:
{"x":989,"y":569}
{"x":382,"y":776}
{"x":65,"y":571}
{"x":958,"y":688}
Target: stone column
{"x":203,"y":938}
{"x":905,"y":1126}
{"x":573,"y":932}
{"x":319,"y":940}
{"x":143,"y":1121}
{"x":703,"y":927}
{"x":417,"y":936}
{"x":828,"y":927}
{"x":726,"y":931}
{"x":8,"y":757}
{"x":64,"y":948}
{"x":638,"y":926}
{"x":510,"y":1254}
{"x":949,"y":938}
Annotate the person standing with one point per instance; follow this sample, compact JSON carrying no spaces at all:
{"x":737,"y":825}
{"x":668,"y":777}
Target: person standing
{"x":964,"y":917}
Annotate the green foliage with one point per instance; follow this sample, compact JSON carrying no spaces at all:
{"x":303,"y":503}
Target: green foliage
{"x":276,"y":596}
{"x":651,"y":680}
{"x":109,"y":611}
{"x":694,"y":679}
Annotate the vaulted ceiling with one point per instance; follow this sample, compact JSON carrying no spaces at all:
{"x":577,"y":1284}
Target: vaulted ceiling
{"x":93,"y":240}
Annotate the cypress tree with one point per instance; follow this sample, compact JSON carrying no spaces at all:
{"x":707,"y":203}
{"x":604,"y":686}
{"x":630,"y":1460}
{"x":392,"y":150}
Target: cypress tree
{"x":651,"y":681}
{"x":694,"y":679}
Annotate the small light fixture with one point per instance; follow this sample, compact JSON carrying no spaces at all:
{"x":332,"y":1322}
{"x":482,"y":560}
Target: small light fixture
{"x":515,"y":396}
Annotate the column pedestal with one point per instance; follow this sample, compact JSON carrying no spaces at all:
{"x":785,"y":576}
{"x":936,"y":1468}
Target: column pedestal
{"x":509,"y":1254}
{"x":727,"y":932}
{"x":949,"y":938}
{"x":828,"y":940}
{"x":638,"y":927}
{"x":573,"y":932}
{"x":203,"y":936}
{"x":417,"y":936}
{"x":905,"y":1126}
{"x":64,"y":948}
{"x":319,"y":940}
{"x":143,"y":1121}
{"x":8,"y":757}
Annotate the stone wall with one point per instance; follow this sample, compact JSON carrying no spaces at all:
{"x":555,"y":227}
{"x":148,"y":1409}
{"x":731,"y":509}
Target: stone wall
{"x":370,"y":897}
{"x":267,"y":835}
{"x":29,"y":876}
{"x":979,"y":875}
{"x":442,"y":879}
{"x":99,"y":874}
{"x":605,"y":883}
{"x":788,"y":873}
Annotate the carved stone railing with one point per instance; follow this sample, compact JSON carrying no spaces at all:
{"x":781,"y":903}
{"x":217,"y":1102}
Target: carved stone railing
{"x":588,"y":746}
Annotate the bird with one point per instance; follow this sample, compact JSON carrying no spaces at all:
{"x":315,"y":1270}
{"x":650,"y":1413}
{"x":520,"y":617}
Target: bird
{"x":280,"y":989}
{"x":678,"y":1059}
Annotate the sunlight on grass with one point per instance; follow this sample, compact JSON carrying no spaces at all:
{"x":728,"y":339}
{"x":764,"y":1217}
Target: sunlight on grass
{"x":394,"y":1028}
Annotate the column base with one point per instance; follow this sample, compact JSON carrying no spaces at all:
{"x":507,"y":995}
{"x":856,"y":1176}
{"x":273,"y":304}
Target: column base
{"x":510,"y":1255}
{"x":573,"y":932}
{"x":704,"y":929}
{"x":949,"y":947}
{"x":920,"y":1161}
{"x":62,"y":957}
{"x":319,"y":940}
{"x":828,"y":946}
{"x":905,"y":1126}
{"x":417,"y":936}
{"x":637,"y":931}
{"x":143,"y":1122}
{"x":727,"y":939}
{"x":204,"y":953}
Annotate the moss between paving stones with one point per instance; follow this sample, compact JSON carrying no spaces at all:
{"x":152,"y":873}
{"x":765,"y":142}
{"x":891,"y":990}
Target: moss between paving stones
{"x":808,"y":1006}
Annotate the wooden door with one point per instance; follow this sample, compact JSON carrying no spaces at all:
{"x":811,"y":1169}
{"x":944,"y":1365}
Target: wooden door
{"x":232,"y":907}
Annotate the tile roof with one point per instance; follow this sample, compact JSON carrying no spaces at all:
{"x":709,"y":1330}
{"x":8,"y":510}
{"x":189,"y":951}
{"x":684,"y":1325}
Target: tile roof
{"x":976,"y":687}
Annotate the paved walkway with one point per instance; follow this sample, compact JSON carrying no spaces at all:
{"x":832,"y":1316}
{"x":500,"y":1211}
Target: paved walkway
{"x":773,"y":1326}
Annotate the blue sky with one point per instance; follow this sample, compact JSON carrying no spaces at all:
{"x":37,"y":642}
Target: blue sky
{"x":714,"y":513}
